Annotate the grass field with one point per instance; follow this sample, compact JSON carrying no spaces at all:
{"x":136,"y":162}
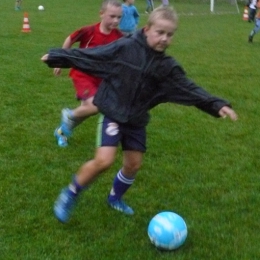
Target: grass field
{"x":203,"y":168}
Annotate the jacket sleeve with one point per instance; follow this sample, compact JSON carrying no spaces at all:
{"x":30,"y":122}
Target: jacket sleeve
{"x":98,"y":61}
{"x":181,"y":90}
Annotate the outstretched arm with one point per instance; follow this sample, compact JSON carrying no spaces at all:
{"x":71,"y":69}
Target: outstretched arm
{"x":98,"y":61}
{"x":66,"y":45}
{"x":181,"y":90}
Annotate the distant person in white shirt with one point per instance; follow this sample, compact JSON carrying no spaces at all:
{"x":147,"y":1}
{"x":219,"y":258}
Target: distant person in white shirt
{"x":252,"y":10}
{"x":256,"y":28}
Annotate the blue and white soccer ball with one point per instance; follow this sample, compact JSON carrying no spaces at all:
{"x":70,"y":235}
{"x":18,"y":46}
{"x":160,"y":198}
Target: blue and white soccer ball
{"x":167,"y":230}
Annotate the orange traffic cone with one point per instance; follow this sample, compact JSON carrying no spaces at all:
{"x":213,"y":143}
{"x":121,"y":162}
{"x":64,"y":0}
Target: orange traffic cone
{"x":26,"y":26}
{"x":245,"y":14}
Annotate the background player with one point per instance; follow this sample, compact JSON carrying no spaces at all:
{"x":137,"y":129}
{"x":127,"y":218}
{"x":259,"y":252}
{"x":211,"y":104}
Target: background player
{"x":86,"y":85}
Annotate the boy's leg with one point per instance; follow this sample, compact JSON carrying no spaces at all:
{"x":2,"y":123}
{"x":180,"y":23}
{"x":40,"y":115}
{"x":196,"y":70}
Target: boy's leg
{"x":123,"y":181}
{"x":254,"y":31}
{"x":148,"y":6}
{"x":72,"y":118}
{"x":152,"y":4}
{"x":85,"y":91}
{"x":86,"y":175}
{"x":251,"y":17}
{"x":18,"y":5}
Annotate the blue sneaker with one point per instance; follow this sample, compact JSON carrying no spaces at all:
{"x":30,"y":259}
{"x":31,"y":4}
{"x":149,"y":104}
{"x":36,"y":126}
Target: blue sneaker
{"x":120,"y":206}
{"x":67,"y":122}
{"x":64,"y":205}
{"x":60,"y":137}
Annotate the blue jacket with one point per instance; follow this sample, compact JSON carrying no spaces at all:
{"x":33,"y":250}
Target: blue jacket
{"x":130,"y":19}
{"x":135,"y":79}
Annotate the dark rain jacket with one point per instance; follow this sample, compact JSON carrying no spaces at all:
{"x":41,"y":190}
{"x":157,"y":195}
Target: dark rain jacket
{"x":135,"y":79}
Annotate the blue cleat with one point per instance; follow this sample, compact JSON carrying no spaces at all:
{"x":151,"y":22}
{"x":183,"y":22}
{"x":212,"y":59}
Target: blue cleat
{"x":60,"y":137}
{"x":120,"y":206}
{"x":67,"y":121}
{"x":64,"y":205}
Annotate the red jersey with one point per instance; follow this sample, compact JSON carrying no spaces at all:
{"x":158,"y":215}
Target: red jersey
{"x":91,"y":36}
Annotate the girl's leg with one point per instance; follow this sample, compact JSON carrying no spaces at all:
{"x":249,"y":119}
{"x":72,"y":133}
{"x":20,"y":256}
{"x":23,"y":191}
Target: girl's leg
{"x":124,"y":179}
{"x":88,"y":172}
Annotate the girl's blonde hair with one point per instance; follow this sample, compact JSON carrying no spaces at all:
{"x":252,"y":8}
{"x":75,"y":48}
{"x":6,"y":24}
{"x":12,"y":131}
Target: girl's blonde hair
{"x":162,"y":12}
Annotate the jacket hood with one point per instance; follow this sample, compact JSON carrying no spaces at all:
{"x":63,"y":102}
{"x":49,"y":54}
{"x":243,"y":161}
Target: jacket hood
{"x":140,"y":37}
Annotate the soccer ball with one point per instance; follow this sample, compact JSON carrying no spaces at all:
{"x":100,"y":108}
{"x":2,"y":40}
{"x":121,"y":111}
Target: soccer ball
{"x":167,"y":230}
{"x":40,"y":7}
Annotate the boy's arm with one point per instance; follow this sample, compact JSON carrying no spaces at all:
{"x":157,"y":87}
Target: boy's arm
{"x":97,"y":61}
{"x":67,"y":43}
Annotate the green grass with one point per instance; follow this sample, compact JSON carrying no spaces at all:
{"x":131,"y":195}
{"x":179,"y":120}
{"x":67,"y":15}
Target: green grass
{"x":205,"y":169}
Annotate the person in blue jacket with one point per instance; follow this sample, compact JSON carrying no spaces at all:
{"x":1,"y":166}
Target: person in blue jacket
{"x":130,"y":17}
{"x":137,"y":76}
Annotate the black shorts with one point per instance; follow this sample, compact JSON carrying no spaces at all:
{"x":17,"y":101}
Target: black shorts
{"x":110,"y":133}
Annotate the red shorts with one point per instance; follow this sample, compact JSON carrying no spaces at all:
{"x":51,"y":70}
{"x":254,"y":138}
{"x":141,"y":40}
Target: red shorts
{"x":85,"y":85}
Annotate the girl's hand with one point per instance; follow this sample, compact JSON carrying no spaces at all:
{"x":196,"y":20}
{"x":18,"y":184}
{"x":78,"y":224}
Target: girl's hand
{"x":227,"y":111}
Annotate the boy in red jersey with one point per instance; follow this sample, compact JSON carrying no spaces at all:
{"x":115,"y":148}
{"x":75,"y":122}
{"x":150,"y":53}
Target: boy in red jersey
{"x":86,"y":85}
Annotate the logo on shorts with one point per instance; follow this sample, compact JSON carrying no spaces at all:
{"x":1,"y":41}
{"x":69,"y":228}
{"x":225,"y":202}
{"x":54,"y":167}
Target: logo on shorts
{"x":112,"y":129}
